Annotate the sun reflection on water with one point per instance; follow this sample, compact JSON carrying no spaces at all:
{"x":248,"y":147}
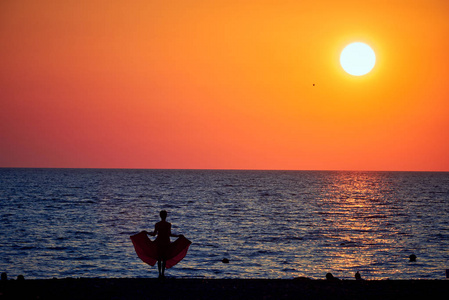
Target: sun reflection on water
{"x":353,"y":210}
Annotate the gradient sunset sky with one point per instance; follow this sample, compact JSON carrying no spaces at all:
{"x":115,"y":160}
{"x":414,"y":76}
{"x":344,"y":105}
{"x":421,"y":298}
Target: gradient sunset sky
{"x":223,"y":85}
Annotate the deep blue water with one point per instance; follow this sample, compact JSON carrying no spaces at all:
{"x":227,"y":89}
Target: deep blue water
{"x":269,"y":224}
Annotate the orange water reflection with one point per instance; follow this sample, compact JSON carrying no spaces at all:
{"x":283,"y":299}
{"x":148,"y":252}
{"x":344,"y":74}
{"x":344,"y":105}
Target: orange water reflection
{"x":354,"y":211}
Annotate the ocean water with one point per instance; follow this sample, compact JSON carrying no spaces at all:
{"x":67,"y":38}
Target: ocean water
{"x":269,"y":224}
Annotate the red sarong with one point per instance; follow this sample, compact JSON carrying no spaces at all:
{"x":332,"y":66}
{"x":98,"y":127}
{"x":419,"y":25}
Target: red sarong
{"x":147,"y":250}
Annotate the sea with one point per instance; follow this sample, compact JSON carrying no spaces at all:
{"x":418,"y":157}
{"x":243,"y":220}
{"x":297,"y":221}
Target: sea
{"x":76,"y":223}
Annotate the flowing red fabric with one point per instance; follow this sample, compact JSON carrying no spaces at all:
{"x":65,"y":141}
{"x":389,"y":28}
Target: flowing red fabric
{"x":147,"y":250}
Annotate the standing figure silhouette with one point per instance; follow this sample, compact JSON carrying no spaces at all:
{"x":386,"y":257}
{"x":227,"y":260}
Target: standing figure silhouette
{"x":163,"y":231}
{"x":166,"y":253}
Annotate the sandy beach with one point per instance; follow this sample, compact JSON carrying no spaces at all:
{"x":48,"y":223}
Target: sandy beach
{"x":171,"y":288}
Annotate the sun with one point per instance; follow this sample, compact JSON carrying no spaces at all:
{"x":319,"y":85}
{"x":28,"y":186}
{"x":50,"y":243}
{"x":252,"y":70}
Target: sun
{"x":357,"y":59}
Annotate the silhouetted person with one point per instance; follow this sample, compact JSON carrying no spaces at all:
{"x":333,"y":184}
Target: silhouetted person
{"x":358,"y":276}
{"x":161,"y":250}
{"x":412,"y":258}
{"x":163,"y":231}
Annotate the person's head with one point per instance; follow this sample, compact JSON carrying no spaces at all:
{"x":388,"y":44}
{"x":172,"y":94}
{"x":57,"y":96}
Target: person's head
{"x":163,"y":214}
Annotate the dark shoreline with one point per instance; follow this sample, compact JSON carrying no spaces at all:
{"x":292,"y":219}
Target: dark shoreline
{"x":186,"y":288}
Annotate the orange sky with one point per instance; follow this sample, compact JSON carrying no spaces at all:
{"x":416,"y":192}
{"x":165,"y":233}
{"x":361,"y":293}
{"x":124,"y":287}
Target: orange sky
{"x":223,"y":84}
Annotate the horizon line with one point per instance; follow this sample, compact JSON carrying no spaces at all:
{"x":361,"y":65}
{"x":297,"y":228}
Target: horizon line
{"x":226,"y":169}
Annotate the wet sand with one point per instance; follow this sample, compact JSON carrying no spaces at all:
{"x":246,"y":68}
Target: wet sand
{"x":171,"y":288}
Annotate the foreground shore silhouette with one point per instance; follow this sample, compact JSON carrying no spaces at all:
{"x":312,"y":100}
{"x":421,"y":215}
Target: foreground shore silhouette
{"x":184,"y":288}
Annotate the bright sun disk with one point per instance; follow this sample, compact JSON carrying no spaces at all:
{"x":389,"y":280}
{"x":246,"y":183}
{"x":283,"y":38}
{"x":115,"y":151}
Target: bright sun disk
{"x":357,"y":59}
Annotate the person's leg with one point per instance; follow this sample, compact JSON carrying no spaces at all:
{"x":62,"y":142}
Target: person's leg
{"x":163,"y":268}
{"x":159,"y":268}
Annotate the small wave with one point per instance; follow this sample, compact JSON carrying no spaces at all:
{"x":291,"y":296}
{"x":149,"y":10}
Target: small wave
{"x":375,"y":217}
{"x":57,"y":248}
{"x":85,"y":266}
{"x":83,"y":232}
{"x":27,"y":248}
{"x":82,"y":258}
{"x":288,"y":270}
{"x":88,"y":201}
{"x":350,"y":244}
